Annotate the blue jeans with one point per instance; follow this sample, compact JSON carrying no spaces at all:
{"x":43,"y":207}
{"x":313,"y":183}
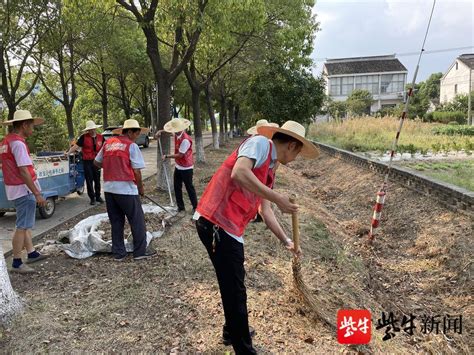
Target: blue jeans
{"x":25,"y":211}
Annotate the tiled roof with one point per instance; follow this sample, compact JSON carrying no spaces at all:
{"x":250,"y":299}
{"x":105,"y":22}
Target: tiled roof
{"x":467,"y":59}
{"x":362,"y":65}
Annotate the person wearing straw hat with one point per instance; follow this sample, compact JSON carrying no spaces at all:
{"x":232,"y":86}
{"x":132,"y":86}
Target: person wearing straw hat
{"x":21,"y":186}
{"x":253,"y":130}
{"x":91,"y":142}
{"x":122,"y":162}
{"x":241,"y":186}
{"x":183,"y":156}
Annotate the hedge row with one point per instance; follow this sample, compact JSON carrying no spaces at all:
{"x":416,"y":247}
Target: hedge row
{"x":454,"y":130}
{"x":446,"y":117}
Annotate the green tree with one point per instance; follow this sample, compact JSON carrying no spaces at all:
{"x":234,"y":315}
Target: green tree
{"x":359,"y":102}
{"x":21,"y":23}
{"x":430,"y":88}
{"x":61,"y":61}
{"x":229,"y":28}
{"x":279,"y":94}
{"x":337,"y":109}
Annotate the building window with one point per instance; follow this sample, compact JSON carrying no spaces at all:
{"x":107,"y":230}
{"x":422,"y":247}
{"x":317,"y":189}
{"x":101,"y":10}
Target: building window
{"x":456,"y":65}
{"x":335,"y":85}
{"x":455,"y":89}
{"x":368,"y":82}
{"x":392,"y":83}
{"x":347,"y":85}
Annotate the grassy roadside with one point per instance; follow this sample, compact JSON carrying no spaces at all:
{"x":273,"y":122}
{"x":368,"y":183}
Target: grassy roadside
{"x":459,"y":173}
{"x":377,"y":134}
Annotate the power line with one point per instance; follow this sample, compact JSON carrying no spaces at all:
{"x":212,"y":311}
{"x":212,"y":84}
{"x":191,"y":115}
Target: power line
{"x":424,"y":52}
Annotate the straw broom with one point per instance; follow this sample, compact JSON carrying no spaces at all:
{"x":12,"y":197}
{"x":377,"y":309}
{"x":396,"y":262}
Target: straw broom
{"x":319,"y":309}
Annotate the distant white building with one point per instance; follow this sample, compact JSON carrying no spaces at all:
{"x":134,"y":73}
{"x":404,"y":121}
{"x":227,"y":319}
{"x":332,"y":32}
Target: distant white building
{"x":383,"y":76}
{"x":456,"y":79}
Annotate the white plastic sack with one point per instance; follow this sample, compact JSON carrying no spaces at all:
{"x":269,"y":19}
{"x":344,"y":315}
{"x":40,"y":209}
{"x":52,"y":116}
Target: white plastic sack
{"x":86,"y":240}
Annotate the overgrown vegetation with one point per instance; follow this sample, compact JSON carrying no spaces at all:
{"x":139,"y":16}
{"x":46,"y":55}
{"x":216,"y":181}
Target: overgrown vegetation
{"x":454,"y":130}
{"x":459,"y":173}
{"x":446,"y":117}
{"x":377,"y":134}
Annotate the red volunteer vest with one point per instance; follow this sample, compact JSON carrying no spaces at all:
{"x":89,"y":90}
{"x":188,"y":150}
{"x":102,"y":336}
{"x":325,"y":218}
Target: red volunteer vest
{"x":227,"y":204}
{"x":88,"y":152}
{"x":187,"y":160}
{"x":11,"y":172}
{"x":116,"y":163}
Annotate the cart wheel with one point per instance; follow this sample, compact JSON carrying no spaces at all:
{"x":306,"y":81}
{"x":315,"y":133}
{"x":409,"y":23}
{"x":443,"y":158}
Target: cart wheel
{"x":80,"y":190}
{"x":48,"y":210}
{"x":147,"y":143}
{"x":2,"y":214}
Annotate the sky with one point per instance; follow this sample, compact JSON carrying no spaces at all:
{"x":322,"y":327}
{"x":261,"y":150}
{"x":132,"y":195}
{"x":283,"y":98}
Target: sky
{"x":352,"y":28}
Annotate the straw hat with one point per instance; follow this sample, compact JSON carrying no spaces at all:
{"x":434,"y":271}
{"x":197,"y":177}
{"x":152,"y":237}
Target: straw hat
{"x":130,"y":124}
{"x":295,"y":130}
{"x":176,"y":125}
{"x":253,"y":130}
{"x":91,"y":125}
{"x":23,"y":115}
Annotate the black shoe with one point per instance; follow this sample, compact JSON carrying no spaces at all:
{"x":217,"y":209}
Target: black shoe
{"x":148,"y":254}
{"x":99,"y":199}
{"x":92,"y":202}
{"x":120,"y":258}
{"x":226,"y":336}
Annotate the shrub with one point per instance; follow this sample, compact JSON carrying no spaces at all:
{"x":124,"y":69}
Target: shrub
{"x":446,"y":117}
{"x":454,"y":130}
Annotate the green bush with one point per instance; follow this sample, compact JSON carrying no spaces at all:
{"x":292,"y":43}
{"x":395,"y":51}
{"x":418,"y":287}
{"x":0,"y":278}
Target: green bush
{"x":446,"y":117}
{"x":454,"y":130}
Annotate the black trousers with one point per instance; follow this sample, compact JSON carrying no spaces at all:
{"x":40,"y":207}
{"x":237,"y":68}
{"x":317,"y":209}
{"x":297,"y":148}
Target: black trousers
{"x":119,"y":206}
{"x":185,"y":176}
{"x":228,"y":261}
{"x":92,"y":176}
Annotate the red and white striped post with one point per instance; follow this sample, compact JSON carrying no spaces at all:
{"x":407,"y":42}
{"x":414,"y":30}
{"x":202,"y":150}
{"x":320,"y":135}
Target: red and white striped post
{"x":381,"y":194}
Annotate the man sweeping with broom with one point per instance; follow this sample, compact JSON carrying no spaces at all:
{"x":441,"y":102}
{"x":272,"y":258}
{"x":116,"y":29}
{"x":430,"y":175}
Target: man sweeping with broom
{"x":240,"y":187}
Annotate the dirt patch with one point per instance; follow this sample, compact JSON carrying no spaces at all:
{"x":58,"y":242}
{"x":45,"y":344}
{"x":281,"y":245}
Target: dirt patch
{"x":419,"y":264}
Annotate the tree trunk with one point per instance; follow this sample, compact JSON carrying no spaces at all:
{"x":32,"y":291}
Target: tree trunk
{"x":212,"y":118}
{"x":226,"y":128}
{"x":105,"y":100}
{"x":154,"y":119}
{"x":231,"y":119}
{"x":11,"y":110}
{"x":222,"y":119}
{"x":144,"y":106}
{"x":10,"y":303}
{"x":164,"y":114}
{"x":236,"y":118}
{"x":70,"y":126}
{"x":200,"y":157}
{"x":123,"y":98}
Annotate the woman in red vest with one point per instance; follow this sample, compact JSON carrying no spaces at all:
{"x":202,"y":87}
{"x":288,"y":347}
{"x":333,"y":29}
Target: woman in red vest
{"x":183,"y":156}
{"x":21,"y":186}
{"x":91,"y":142}
{"x":239,"y":188}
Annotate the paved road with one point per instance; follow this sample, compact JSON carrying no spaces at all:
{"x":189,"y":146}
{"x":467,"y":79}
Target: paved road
{"x":73,"y":204}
